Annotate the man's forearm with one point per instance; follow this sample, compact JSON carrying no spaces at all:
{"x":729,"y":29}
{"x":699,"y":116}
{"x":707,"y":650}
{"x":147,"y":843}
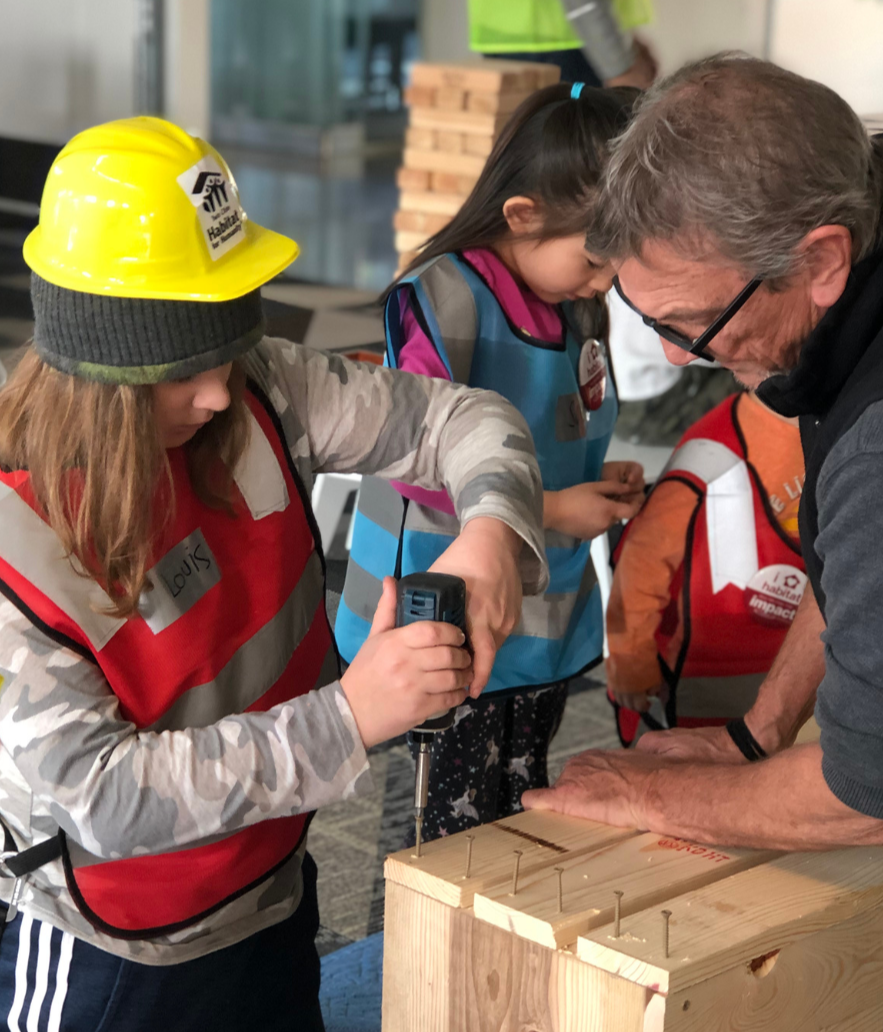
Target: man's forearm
{"x":606,"y":46}
{"x":787,"y":696}
{"x":781,"y":803}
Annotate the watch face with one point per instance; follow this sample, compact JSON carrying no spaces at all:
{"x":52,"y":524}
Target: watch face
{"x":774,"y":593}
{"x":592,"y":373}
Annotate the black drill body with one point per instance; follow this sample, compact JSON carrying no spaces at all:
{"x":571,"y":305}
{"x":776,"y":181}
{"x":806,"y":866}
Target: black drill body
{"x":442,"y":598}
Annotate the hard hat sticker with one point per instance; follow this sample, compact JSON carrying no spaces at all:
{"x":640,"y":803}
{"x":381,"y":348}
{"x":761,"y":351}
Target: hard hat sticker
{"x":216,"y":203}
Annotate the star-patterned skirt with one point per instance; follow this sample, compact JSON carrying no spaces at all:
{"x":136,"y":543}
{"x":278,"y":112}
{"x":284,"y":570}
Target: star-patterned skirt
{"x":496,"y":750}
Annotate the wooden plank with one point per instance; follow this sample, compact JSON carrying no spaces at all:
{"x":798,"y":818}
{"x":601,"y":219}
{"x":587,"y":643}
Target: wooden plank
{"x":453,"y":143}
{"x":486,"y":76}
{"x":404,"y":241}
{"x":419,"y":222}
{"x":412,"y":179}
{"x":405,"y":259}
{"x":457,"y":121}
{"x":430,"y":201}
{"x":747,"y":916}
{"x":450,"y":98}
{"x":419,"y":96}
{"x":451,"y":183}
{"x":478,"y":145}
{"x":869,"y":1021}
{"x":648,"y":869}
{"x":495,"y":103}
{"x":810,"y":732}
{"x":443,"y":971}
{"x":544,"y":839}
{"x":422,"y":139}
{"x":822,"y":981}
{"x":439,"y":161}
{"x":547,"y":75}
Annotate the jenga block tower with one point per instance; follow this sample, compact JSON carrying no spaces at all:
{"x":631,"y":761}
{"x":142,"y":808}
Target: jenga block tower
{"x":456,"y":114}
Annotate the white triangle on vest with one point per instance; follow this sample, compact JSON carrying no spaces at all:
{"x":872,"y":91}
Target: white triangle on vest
{"x":729,"y":509}
{"x":732,"y":535}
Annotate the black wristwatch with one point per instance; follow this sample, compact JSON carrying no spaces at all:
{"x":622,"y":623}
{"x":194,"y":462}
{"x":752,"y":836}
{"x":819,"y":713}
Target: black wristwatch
{"x":745,"y":741}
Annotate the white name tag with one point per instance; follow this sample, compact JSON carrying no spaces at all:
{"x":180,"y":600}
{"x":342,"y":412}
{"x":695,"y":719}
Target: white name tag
{"x":180,"y":579}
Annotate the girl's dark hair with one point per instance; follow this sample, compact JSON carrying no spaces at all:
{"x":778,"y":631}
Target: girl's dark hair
{"x":553,"y":150}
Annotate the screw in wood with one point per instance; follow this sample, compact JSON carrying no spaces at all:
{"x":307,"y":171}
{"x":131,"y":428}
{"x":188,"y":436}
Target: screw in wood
{"x":469,"y":840}
{"x":560,"y":871}
{"x":617,"y":912}
{"x":666,"y":914}
{"x":515,"y":872}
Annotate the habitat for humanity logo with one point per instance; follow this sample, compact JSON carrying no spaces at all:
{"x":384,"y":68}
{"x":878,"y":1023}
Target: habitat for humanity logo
{"x":216,"y":203}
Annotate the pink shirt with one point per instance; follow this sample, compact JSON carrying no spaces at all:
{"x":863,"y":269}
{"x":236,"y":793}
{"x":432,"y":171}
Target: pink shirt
{"x":536,"y":317}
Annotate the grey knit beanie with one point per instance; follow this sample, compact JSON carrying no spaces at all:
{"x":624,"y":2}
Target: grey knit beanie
{"x":139,"y":340}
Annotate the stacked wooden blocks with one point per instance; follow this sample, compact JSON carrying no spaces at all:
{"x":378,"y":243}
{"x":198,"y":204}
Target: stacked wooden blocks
{"x":554,"y":924}
{"x":456,"y":114}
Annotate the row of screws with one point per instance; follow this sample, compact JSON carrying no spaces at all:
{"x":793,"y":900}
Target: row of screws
{"x":618,"y":894}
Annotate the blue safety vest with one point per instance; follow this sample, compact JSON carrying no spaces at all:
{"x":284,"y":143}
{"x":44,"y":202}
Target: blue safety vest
{"x":560,"y":633}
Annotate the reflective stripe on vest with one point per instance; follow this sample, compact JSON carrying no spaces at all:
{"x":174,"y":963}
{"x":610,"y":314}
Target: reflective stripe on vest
{"x":264,"y":639}
{"x":559,"y":634}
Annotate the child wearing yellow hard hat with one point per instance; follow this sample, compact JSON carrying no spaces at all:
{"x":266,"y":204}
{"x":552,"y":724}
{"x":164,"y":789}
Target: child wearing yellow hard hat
{"x":172,"y":709}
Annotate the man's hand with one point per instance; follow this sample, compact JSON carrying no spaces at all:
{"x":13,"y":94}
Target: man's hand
{"x":402,"y":675}
{"x":599,"y":785}
{"x":486,"y":555}
{"x":696,"y":745}
{"x":642,"y":72}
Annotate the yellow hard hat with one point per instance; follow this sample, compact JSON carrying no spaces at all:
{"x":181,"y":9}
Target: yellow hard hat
{"x":138,"y":208}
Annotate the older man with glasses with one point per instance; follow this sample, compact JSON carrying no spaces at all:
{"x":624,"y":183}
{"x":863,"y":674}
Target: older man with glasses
{"x":743,"y":211}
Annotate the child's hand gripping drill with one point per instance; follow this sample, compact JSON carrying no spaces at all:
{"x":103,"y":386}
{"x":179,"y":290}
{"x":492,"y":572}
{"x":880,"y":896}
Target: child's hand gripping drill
{"x":417,"y":648}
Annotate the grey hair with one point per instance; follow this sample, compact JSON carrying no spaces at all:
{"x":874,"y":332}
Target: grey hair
{"x":738,"y":155}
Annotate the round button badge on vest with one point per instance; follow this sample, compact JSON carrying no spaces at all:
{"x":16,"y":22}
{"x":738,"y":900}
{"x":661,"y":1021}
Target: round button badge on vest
{"x":774,"y":593}
{"x":592,"y":373}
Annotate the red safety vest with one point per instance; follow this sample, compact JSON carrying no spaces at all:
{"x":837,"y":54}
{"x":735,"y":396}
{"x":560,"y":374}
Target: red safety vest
{"x":235,"y":622}
{"x":738,"y":588}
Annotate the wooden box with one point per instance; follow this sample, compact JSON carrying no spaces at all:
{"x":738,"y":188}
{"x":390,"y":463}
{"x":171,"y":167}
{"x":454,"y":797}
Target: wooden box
{"x":756,"y":940}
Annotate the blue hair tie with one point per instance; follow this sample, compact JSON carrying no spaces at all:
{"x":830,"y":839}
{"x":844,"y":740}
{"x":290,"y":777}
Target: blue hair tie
{"x":576,"y":90}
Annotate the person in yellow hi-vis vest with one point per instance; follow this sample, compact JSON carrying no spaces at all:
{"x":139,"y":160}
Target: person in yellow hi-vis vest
{"x":590,"y":42}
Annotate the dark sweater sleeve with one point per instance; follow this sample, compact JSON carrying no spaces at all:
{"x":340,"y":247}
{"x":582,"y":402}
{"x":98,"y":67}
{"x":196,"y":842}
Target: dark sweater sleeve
{"x":849,"y":708}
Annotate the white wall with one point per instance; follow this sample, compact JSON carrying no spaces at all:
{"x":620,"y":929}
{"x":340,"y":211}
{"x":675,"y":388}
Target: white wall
{"x":685,"y":30}
{"x":444,"y":30}
{"x":64,"y":65}
{"x":188,"y":64}
{"x":839,"y":42}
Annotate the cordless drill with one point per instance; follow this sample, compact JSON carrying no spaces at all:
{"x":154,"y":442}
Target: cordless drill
{"x":439,"y":597}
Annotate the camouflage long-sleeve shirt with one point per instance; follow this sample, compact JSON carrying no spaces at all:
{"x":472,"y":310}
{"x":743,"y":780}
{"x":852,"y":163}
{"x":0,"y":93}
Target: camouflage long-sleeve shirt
{"x":69,"y":758}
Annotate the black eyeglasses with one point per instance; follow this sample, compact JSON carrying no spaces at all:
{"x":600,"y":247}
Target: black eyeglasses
{"x":694,"y":346}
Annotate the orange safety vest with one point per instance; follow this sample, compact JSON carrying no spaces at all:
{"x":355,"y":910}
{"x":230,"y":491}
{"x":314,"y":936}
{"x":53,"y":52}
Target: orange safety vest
{"x":235,"y":622}
{"x":737,"y":590}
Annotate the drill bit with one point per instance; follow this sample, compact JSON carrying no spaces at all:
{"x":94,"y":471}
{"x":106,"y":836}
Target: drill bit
{"x":421,"y":787}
